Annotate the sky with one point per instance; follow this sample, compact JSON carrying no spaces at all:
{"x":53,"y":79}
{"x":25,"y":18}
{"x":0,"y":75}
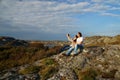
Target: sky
{"x":53,"y":19}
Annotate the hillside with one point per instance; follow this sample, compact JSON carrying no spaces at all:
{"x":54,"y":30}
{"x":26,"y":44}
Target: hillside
{"x":10,"y":41}
{"x":100,"y":60}
{"x":102,"y":40}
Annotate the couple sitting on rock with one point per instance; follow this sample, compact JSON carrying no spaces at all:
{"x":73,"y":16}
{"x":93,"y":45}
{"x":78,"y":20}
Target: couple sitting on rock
{"x":76,"y":44}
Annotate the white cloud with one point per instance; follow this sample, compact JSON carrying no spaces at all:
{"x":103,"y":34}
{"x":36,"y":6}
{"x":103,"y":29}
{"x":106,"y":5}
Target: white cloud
{"x":115,"y":8}
{"x":107,"y":1}
{"x":97,"y":8}
{"x":98,"y":1}
{"x":49,"y":15}
{"x":117,"y":2}
{"x":110,"y":14}
{"x":45,"y":16}
{"x":72,"y":1}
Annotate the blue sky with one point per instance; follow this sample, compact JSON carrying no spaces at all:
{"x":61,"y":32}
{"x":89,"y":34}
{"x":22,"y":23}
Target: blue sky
{"x":53,"y":19}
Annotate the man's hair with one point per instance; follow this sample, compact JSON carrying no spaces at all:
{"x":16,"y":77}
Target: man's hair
{"x":80,"y":34}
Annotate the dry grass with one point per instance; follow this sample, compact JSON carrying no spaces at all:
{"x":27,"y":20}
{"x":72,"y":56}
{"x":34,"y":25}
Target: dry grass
{"x":48,"y":68}
{"x":86,"y":74}
{"x":29,"y":70}
{"x":15,"y":56}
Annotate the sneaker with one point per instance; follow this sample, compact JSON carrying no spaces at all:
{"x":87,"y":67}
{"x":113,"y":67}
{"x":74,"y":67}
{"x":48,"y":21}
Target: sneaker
{"x":85,"y":50}
{"x":65,"y":54}
{"x":74,"y":55}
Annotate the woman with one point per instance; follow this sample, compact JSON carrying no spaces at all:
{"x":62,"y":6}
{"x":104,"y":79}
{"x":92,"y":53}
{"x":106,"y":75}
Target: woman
{"x":79,"y":43}
{"x":73,"y":44}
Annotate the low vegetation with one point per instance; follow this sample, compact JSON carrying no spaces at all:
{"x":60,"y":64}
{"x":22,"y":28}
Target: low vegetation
{"x":99,"y":61}
{"x":87,"y":73}
{"x":48,"y":68}
{"x":29,"y":70}
{"x":102,"y":40}
{"x":13,"y":56}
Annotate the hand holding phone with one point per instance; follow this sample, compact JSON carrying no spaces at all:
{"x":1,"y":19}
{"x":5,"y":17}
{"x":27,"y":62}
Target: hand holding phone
{"x":68,"y":34}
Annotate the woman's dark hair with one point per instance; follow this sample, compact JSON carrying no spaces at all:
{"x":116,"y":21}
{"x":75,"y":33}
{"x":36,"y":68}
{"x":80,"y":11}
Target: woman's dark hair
{"x":76,"y":36}
{"x":80,"y":34}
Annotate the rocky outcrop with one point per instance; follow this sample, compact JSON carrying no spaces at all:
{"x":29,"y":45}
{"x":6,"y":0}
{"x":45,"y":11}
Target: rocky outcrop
{"x":100,"y":60}
{"x":102,"y":40}
{"x":10,"y":41}
{"x":95,"y":63}
{"x":104,"y":61}
{"x":13,"y":74}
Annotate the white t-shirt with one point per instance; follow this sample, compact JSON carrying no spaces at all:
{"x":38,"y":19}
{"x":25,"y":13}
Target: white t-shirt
{"x":79,"y":40}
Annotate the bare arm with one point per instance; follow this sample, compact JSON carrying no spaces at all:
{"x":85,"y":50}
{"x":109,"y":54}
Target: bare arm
{"x":69,"y":38}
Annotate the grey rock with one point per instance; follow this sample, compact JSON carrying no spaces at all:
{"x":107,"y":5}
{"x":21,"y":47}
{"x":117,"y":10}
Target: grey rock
{"x":105,"y":59}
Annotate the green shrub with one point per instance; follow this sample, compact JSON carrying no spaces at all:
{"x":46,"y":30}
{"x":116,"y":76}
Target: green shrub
{"x":48,"y":72}
{"x":30,"y":69}
{"x":48,"y":61}
{"x":6,"y":64}
{"x":48,"y":68}
{"x":109,"y":74}
{"x":87,"y":74}
{"x":11,"y":56}
{"x":36,"y":44}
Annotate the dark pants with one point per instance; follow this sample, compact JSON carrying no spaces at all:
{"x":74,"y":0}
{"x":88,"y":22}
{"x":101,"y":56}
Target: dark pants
{"x":66,"y":47}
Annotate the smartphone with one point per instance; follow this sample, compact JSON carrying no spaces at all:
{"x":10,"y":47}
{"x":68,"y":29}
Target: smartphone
{"x":68,"y":34}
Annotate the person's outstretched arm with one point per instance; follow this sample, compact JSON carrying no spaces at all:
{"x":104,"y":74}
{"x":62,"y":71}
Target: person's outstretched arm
{"x":69,"y":38}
